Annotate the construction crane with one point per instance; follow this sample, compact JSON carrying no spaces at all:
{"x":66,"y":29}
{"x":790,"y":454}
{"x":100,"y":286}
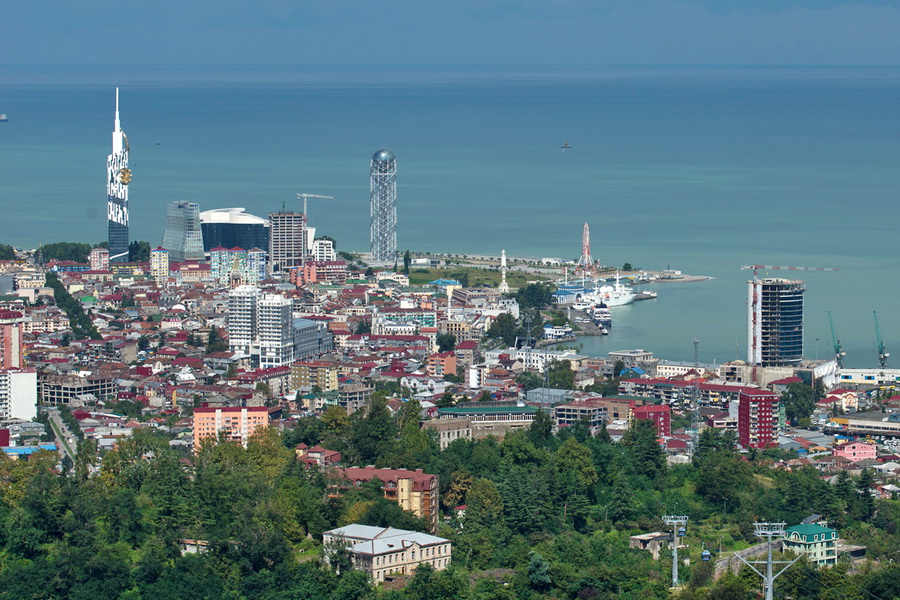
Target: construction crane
{"x":757,"y":268}
{"x":882,"y":351}
{"x":307,"y":197}
{"x":839,"y":353}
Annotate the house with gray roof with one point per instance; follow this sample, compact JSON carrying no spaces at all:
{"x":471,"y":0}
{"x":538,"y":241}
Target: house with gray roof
{"x":384,"y":551}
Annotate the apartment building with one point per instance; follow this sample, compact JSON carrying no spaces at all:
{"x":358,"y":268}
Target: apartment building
{"x":234,"y":424}
{"x":381,"y":552}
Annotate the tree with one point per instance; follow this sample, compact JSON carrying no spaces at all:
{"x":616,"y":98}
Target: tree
{"x":406,"y":262}
{"x":575,"y":458}
{"x":721,"y":477}
{"x":372,"y":436}
{"x":529,"y":380}
{"x":216,"y":343}
{"x":363,"y":326}
{"x":7,"y":252}
{"x":541,"y":429}
{"x":535,"y":295}
{"x":138,"y":251}
{"x":626,"y":267}
{"x":460,"y":483}
{"x":74,"y":251}
{"x":643,"y":448}
{"x":539,"y":573}
{"x":503,"y":328}
{"x":446,"y":342}
{"x":560,"y":375}
{"x":865,"y":504}
{"x":799,"y":401}
{"x":484,"y":505}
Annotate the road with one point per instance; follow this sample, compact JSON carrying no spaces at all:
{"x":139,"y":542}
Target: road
{"x":63,"y":435}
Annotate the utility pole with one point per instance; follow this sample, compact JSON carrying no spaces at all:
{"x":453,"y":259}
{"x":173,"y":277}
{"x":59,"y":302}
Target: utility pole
{"x":678,"y":523}
{"x":769,"y":531}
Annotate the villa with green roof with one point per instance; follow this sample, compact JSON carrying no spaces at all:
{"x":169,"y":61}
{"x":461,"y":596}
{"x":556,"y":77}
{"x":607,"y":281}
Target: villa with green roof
{"x":818,"y":543}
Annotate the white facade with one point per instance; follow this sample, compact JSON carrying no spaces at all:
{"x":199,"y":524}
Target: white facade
{"x":242,"y":305}
{"x":159,"y":265}
{"x":323,"y":250}
{"x":380,"y":551}
{"x":275,"y":331}
{"x":262,"y":325}
{"x":18,"y":394}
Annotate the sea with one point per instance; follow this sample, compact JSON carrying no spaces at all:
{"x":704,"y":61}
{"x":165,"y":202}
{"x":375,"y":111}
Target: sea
{"x":699,"y":169}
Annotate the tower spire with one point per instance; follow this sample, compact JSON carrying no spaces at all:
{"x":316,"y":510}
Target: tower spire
{"x":118,"y":125}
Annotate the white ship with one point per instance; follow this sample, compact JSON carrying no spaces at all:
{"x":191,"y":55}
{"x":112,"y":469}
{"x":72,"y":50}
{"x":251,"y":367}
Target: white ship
{"x":583,"y":297}
{"x":613,"y":295}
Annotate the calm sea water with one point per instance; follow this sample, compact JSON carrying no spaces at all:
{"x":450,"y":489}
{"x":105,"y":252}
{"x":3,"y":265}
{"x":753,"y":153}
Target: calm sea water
{"x":700,"y":169}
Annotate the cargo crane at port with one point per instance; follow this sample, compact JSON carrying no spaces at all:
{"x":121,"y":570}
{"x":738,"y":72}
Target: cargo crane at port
{"x":839,"y":353}
{"x":883,"y":354}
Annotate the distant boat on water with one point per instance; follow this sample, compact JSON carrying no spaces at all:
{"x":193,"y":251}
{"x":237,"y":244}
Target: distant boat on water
{"x":3,"y":118}
{"x":566,"y":146}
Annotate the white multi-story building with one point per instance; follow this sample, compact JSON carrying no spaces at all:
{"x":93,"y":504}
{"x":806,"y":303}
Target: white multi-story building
{"x":242,"y":307}
{"x":275,"y":331}
{"x":380,"y":551}
{"x":323,"y":250}
{"x":18,"y":394}
{"x":262,"y":326}
{"x":99,"y":259}
{"x":159,"y":265}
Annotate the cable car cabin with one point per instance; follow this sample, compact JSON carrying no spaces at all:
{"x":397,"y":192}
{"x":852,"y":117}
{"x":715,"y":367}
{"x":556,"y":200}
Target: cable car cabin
{"x":706,"y":555}
{"x":682,"y":532}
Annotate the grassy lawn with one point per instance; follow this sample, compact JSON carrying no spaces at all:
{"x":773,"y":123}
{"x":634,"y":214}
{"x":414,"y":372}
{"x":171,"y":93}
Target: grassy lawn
{"x":477,"y":277}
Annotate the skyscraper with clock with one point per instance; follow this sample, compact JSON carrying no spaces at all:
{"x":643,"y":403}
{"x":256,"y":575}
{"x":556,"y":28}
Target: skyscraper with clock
{"x":118,"y":176}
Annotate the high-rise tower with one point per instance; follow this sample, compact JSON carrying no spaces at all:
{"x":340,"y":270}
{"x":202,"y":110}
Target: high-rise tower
{"x":383,"y":206}
{"x":183,"y":237}
{"x":118,"y":176}
{"x":288,"y":240}
{"x":775,"y":322}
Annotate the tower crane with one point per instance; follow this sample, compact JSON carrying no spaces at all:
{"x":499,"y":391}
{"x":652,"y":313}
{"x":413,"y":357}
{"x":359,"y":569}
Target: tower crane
{"x":307,"y":242}
{"x":307,"y":197}
{"x":839,"y":353}
{"x":757,"y":268}
{"x":882,"y":351}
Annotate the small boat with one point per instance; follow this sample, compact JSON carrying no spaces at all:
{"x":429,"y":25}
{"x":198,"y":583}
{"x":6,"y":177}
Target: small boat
{"x":3,"y":118}
{"x":565,"y":146}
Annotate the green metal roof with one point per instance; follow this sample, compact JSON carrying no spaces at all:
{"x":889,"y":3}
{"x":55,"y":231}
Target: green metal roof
{"x":807,"y":532}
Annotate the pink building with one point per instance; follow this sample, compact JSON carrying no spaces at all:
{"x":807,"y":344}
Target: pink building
{"x":11,"y":339}
{"x":856,"y":451}
{"x":758,"y":418}
{"x":235,"y":424}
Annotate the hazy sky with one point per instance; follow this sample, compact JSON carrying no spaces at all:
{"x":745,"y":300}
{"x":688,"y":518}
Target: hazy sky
{"x":451,"y":32}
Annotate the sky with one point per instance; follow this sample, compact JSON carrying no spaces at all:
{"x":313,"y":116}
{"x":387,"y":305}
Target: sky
{"x":452,"y":32}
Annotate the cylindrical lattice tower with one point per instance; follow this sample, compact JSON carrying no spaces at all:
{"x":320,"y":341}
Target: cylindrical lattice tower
{"x":383,"y":206}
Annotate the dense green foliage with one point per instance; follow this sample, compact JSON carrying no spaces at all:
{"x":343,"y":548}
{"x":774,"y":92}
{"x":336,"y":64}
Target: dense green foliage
{"x":548,"y":516}
{"x":74,"y":251}
{"x":535,"y":295}
{"x":138,"y":251}
{"x":7,"y":252}
{"x":79,"y":321}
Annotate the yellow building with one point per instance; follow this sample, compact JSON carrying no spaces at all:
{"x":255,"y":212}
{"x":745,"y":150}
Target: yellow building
{"x":314,"y":373}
